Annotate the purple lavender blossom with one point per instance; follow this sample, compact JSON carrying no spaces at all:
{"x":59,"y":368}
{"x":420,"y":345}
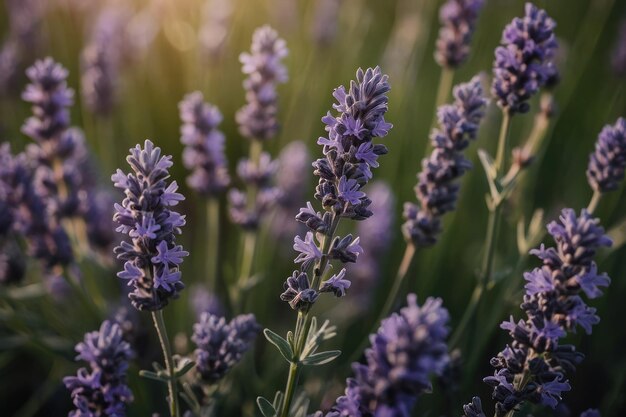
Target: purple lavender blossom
{"x":152,"y":258}
{"x":220,"y":344}
{"x":606,"y":165}
{"x":51,"y":98}
{"x":297,"y":291}
{"x":437,"y":189}
{"x":204,"y":146}
{"x":554,"y":307}
{"x":101,"y":390}
{"x":99,"y":62}
{"x":407,"y":350}
{"x":257,"y":119}
{"x":458,"y":20}
{"x":523,"y":61}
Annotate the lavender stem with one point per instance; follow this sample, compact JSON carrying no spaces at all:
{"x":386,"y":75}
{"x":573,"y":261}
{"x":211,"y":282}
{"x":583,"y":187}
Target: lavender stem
{"x":502,"y":140}
{"x":403,"y":269}
{"x":443,"y":90}
{"x":595,"y":199}
{"x":172,"y":384}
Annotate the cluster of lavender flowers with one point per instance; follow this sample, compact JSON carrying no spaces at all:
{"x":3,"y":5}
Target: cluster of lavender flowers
{"x":101,"y":390}
{"x":408,"y":348}
{"x":204,"y":146}
{"x":152,"y":258}
{"x":534,"y":366}
{"x":523,"y":62}
{"x":220,"y":344}
{"x":458,"y":19}
{"x":257,"y":122}
{"x":606,"y":165}
{"x":618,"y":57}
{"x":437,"y":190}
{"x":343,"y":172}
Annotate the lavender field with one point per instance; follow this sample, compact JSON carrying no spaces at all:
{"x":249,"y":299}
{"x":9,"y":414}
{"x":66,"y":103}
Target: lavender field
{"x":324,"y":208}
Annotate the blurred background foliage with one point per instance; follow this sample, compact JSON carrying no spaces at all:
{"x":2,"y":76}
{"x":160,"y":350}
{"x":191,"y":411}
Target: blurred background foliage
{"x":37,"y":334}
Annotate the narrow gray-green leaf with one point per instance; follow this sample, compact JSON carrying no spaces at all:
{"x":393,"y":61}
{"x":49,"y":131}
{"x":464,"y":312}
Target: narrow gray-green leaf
{"x":281,"y":344}
{"x":267,"y":409}
{"x":321,"y":358}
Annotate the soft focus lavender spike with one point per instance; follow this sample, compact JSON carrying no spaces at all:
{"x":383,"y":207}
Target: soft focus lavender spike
{"x":458,"y":20}
{"x":554,"y":307}
{"x":592,"y":412}
{"x":408,"y":348}
{"x":437,"y":188}
{"x":50,"y":97}
{"x":216,"y":19}
{"x":152,"y":258}
{"x":220,"y":344}
{"x":203,"y":301}
{"x":98,"y":219}
{"x":324,"y":26}
{"x":606,"y":166}
{"x":257,"y":119}
{"x":618,"y":57}
{"x":523,"y":62}
{"x":101,"y":389}
{"x":204,"y":146}
{"x":9,"y":67}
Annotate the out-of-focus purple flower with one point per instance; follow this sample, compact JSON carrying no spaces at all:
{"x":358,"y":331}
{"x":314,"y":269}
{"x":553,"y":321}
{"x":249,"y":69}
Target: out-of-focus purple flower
{"x":618,"y":57}
{"x":437,"y":189}
{"x":606,"y":165}
{"x":592,"y":412}
{"x":324,"y":26}
{"x":220,"y":344}
{"x":407,"y":350}
{"x":203,"y":301}
{"x":99,"y":62}
{"x":553,"y":306}
{"x":51,"y":98}
{"x":152,"y":258}
{"x":101,"y":390}
{"x":204,"y":145}
{"x":98,"y":219}
{"x":523,"y":62}
{"x":257,"y":119}
{"x":458,"y":20}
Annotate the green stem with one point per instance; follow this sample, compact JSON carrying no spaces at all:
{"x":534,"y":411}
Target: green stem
{"x":292,"y":381}
{"x":595,"y":199}
{"x":502,"y":140}
{"x":490,"y":249}
{"x":409,"y":253}
{"x":249,"y":245}
{"x":172,"y":384}
{"x":213,"y":233}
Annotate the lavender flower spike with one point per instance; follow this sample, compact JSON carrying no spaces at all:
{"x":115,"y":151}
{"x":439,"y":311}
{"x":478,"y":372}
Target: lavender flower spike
{"x":50,"y":97}
{"x":437,"y":190}
{"x":458,"y":19}
{"x":407,"y":350}
{"x":606,"y":165}
{"x":257,"y":119}
{"x":101,"y":390}
{"x":523,"y":61}
{"x":152,"y":258}
{"x":221,"y":345}
{"x":554,"y":307}
{"x":204,"y":145}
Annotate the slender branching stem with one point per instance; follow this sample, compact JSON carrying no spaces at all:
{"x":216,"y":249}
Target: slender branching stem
{"x":172,"y":383}
{"x":213,"y":234}
{"x":403,"y":269}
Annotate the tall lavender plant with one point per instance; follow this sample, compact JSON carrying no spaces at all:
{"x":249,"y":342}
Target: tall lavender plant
{"x":458,"y":20}
{"x":349,"y":156}
{"x":534,"y":367}
{"x":151,"y":256}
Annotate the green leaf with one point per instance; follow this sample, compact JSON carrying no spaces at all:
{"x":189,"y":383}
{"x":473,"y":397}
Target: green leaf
{"x":183,"y":366}
{"x":153,"y":376}
{"x":281,"y":344}
{"x":267,"y":409}
{"x":278,"y":400}
{"x":321,"y":358}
